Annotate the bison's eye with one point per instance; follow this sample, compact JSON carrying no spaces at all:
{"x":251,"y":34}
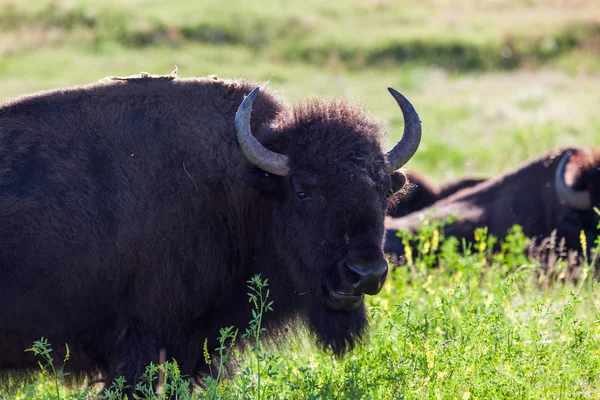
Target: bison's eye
{"x":302,"y":190}
{"x":301,"y":195}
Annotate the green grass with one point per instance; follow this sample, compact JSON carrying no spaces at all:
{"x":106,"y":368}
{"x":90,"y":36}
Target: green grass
{"x":461,"y":35}
{"x":548,"y":101}
{"x":495,"y":83}
{"x":481,"y":326}
{"x":518,"y":115}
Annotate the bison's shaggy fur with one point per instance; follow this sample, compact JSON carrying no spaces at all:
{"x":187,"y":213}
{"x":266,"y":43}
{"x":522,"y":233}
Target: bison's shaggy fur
{"x":130,"y":220}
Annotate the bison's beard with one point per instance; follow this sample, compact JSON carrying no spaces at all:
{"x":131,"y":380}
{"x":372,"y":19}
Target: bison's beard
{"x":339,"y":331}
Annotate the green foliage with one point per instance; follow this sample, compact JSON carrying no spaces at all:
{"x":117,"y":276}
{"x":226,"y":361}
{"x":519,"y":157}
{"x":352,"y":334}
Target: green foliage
{"x":596,"y":249}
{"x":213,"y":389}
{"x":265,"y":361}
{"x":475,"y":326}
{"x":115,"y":391}
{"x":512,"y":254}
{"x":311,"y":33}
{"x":43,"y":349}
{"x":426,"y":242}
{"x":174,"y":385}
{"x":48,"y":385}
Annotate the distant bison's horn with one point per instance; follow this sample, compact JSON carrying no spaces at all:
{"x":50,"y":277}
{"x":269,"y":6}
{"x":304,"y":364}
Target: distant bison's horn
{"x":254,"y":151}
{"x":411,"y":137}
{"x":577,"y":200}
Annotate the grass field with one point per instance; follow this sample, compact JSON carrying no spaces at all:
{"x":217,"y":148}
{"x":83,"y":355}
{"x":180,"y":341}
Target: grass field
{"x":495,"y":82}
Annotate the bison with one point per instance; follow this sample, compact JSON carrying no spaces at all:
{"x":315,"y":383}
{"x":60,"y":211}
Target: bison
{"x":421,"y":192}
{"x":134,"y":210}
{"x":556,"y":192}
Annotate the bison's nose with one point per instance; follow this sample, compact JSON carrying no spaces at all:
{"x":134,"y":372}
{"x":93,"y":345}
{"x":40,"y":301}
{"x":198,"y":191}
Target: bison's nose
{"x":370,"y":277}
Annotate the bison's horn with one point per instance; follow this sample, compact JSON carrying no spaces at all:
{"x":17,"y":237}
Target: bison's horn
{"x":578,"y":200}
{"x":253,"y":150}
{"x":411,"y":137}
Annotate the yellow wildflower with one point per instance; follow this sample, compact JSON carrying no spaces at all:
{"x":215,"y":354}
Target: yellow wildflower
{"x":435,"y":240}
{"x":583,"y":241}
{"x":407,"y":251}
{"x":206,"y":354}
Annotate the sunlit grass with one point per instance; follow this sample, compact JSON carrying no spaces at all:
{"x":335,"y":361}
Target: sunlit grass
{"x":518,"y":114}
{"x":480,"y":325}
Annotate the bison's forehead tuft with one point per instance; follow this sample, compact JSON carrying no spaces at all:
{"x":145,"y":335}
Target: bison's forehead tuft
{"x":338,"y":116}
{"x":336,"y":135}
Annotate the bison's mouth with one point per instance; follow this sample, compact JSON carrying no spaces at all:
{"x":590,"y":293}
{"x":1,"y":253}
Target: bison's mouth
{"x":340,"y":301}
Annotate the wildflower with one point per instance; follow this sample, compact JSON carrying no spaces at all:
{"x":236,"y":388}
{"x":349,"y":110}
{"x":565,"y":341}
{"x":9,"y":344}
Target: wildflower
{"x":583,"y":241}
{"x":426,"y":247}
{"x":407,"y":251}
{"x":233,"y":339}
{"x":206,"y":355}
{"x":435,"y":239}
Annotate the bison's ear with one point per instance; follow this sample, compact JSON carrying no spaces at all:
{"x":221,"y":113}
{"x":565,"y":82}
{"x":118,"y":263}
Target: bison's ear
{"x":259,"y":182}
{"x":399,"y":179}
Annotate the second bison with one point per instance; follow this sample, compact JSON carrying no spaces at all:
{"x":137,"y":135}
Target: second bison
{"x":556,"y":192}
{"x":419,"y":192}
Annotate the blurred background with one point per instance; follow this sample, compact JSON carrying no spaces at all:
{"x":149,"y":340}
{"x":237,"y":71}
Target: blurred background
{"x":496,"y":82}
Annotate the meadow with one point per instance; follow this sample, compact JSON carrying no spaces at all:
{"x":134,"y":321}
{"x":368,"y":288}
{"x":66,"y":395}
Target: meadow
{"x":495,"y":83}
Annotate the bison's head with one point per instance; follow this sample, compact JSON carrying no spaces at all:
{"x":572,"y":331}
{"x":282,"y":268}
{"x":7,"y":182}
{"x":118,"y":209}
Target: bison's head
{"x":577,"y":184}
{"x":329,"y":182}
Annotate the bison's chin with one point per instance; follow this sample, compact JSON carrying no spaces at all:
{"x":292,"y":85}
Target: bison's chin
{"x":338,"y":331}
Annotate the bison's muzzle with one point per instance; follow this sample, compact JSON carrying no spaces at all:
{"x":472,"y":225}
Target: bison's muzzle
{"x":370,"y":277}
{"x":360,"y":276}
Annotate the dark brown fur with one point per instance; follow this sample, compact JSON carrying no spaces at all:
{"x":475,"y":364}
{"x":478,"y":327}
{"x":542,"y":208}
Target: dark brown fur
{"x":130,"y":220}
{"x":525,"y":196}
